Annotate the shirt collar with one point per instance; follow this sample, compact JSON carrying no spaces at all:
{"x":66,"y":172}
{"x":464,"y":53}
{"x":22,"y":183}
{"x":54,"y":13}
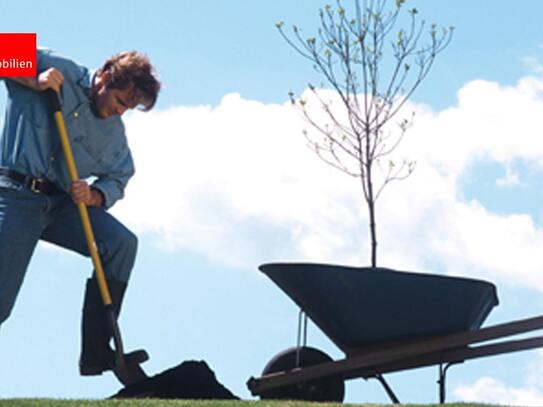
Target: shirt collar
{"x":87,"y":79}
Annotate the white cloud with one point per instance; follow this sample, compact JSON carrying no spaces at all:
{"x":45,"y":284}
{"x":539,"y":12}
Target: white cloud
{"x":236,"y":183}
{"x":489,"y":390}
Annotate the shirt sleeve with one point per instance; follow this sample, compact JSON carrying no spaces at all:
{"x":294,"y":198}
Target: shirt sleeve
{"x":47,"y":58}
{"x":42,"y":59}
{"x":113,"y":183}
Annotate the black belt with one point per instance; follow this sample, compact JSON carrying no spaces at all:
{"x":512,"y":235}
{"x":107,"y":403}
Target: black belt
{"x":37,"y":185}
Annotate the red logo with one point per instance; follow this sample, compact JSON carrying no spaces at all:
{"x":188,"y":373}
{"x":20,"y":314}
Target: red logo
{"x":17,"y":54}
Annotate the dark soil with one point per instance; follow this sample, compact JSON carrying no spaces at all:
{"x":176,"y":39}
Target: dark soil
{"x":189,"y":380}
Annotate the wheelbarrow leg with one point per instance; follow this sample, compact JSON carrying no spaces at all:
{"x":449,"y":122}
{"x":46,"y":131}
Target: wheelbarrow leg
{"x":387,"y":388}
{"x":443,"y":378}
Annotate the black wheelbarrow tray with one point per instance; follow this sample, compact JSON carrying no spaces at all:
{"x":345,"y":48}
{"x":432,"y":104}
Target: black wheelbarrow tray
{"x":384,"y":321}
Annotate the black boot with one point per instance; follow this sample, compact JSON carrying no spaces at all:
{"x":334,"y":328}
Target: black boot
{"x":96,"y":354}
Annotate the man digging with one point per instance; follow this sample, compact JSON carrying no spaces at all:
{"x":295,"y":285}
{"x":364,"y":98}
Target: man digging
{"x":37,"y":198}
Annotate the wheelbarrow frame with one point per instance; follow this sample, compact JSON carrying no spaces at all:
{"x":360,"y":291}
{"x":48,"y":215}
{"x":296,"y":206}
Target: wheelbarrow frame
{"x":443,"y":350}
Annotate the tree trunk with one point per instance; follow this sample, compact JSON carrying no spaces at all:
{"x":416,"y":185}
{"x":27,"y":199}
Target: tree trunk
{"x":370,"y":199}
{"x":373,"y":233}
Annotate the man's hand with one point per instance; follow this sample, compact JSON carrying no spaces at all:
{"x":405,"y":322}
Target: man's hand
{"x":51,"y":78}
{"x":82,"y":192}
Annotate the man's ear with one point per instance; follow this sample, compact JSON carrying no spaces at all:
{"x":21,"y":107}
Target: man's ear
{"x":102,"y":79}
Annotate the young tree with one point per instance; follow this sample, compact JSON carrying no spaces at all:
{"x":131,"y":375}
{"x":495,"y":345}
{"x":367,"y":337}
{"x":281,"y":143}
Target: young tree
{"x":371,"y":83}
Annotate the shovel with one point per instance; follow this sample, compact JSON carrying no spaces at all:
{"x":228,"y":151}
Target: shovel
{"x":126,"y":373}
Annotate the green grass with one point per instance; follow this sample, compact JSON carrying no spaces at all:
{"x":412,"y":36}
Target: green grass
{"x":193,"y":403}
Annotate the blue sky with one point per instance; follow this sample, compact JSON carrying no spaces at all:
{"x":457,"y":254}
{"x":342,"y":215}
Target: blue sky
{"x":224,"y":183}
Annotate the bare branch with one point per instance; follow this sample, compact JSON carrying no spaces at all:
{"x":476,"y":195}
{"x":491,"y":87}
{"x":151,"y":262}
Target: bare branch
{"x":396,"y":174}
{"x":372,"y":83}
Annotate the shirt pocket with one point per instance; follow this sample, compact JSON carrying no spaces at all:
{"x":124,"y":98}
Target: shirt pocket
{"x":94,"y":158}
{"x":98,"y":143}
{"x":82,"y":140}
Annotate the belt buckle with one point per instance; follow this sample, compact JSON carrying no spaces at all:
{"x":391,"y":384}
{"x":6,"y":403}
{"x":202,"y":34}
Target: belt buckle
{"x":36,"y":184}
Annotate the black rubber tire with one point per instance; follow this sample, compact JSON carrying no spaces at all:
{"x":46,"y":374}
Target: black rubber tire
{"x":325,"y":389}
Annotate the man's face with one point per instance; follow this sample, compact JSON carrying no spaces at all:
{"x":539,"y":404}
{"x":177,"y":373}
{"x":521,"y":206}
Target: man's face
{"x":108,"y":102}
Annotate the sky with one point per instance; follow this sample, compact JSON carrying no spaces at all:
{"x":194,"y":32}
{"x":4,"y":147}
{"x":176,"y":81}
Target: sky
{"x":225,"y":182}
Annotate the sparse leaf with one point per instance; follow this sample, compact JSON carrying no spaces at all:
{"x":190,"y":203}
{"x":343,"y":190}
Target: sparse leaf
{"x":291,"y":97}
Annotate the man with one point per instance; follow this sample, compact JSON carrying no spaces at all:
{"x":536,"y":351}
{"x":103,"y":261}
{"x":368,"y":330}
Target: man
{"x":37,"y":198}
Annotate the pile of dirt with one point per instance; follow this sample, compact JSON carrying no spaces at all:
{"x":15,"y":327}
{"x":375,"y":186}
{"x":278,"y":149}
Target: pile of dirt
{"x":189,"y":380}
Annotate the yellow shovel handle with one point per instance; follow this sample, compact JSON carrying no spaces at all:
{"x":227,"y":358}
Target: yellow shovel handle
{"x":83,"y":212}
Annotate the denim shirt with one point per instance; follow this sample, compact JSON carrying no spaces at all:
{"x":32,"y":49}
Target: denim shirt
{"x":30,"y":144}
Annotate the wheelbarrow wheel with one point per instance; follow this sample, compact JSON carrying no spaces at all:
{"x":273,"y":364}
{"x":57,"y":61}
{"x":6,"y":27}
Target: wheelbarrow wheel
{"x":325,"y":389}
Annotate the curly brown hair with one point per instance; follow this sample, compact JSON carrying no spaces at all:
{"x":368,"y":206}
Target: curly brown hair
{"x":132,"y":70}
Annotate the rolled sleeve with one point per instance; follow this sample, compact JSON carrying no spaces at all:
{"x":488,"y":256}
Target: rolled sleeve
{"x":113,"y":183}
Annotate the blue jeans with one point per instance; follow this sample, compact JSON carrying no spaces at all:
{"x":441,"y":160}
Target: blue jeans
{"x":26,"y":217}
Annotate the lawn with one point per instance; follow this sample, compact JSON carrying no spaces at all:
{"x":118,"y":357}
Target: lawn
{"x":193,"y":403}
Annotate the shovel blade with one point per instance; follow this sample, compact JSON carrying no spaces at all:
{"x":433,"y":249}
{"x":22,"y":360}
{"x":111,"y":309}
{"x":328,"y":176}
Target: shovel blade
{"x":130,"y":374}
{"x":126,"y":373}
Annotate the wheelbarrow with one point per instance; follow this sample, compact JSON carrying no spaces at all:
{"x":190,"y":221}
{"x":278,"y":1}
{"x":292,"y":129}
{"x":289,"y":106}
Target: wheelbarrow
{"x":384,"y":321}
